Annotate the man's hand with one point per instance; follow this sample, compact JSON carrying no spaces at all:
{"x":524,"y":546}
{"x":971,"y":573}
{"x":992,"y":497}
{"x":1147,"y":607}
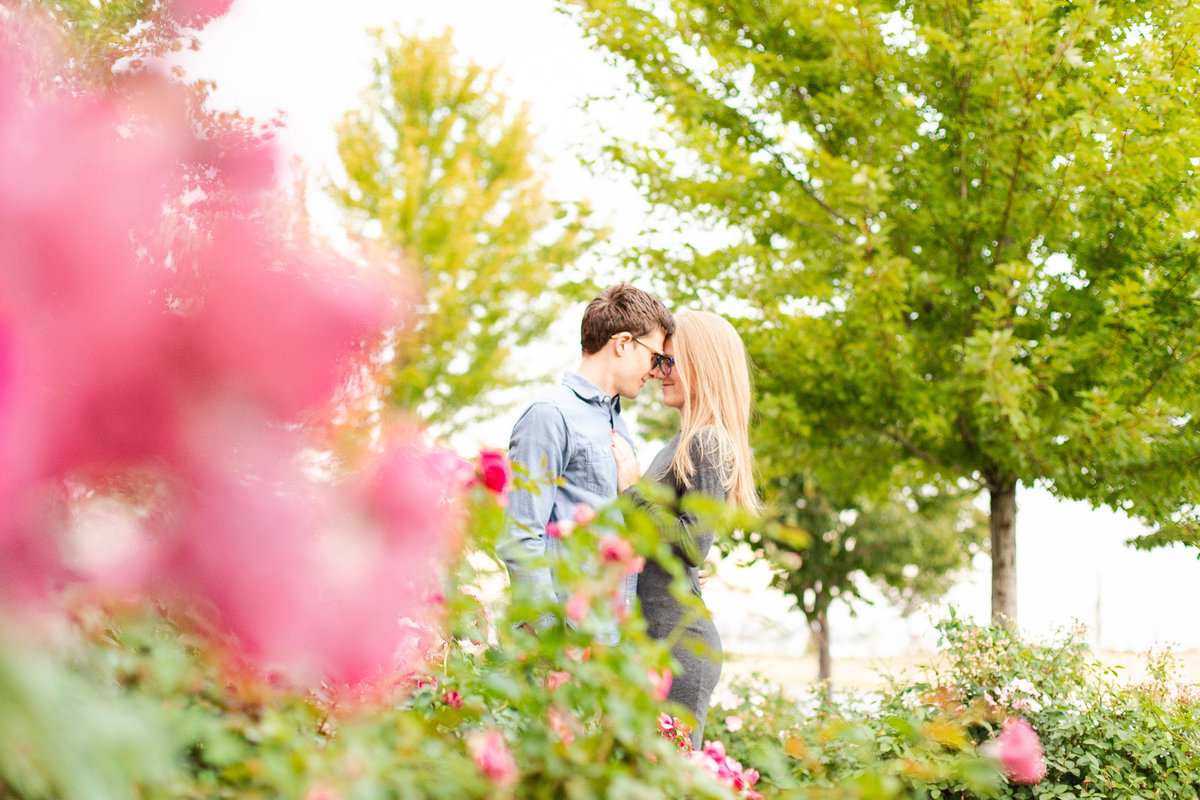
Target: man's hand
{"x":629,"y":471}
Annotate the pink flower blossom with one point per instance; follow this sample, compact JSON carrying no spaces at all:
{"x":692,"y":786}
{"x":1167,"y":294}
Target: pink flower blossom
{"x":556,"y":679}
{"x":495,"y":473}
{"x":615,"y":550}
{"x":493,"y":757}
{"x":577,"y":607}
{"x":560,"y":529}
{"x":729,"y":772}
{"x":198,"y":12}
{"x":322,"y":791}
{"x":733,"y":723}
{"x":453,"y":698}
{"x":562,"y":724}
{"x":660,"y":683}
{"x":584,"y":514}
{"x":1019,"y":751}
{"x":111,"y":361}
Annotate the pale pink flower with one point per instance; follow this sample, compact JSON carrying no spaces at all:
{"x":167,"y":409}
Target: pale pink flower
{"x":198,"y":12}
{"x":615,"y":550}
{"x":559,"y":529}
{"x":577,"y":607}
{"x":660,"y":683}
{"x":1019,"y":751}
{"x":493,"y":757}
{"x":556,"y":679}
{"x":733,"y":723}
{"x":563,"y":724}
{"x":584,"y":514}
{"x":322,"y":791}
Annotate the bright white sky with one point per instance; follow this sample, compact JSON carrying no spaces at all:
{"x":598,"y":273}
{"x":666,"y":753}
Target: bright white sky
{"x":310,"y":59}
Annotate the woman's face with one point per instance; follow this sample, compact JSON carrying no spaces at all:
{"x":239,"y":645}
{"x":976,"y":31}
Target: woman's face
{"x":672,"y":388}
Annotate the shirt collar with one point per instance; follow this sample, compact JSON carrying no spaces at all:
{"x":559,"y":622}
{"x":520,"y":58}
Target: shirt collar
{"x":588,"y":392}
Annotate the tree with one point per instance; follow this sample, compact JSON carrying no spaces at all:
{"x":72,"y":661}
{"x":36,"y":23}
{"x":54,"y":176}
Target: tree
{"x":912,"y":547}
{"x":441,"y":168}
{"x":965,"y":233}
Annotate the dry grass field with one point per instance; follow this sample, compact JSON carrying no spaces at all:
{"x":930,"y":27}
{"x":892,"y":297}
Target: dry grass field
{"x":873,"y":673}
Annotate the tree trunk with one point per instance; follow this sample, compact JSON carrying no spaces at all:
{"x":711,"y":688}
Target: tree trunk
{"x":820,"y":629}
{"x":1003,"y":523}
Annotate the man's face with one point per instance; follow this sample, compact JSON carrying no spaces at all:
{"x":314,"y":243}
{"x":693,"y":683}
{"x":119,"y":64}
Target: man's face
{"x":637,"y":363}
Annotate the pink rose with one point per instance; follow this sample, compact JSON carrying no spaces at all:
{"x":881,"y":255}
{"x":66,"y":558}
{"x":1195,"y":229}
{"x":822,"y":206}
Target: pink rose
{"x":660,"y":683}
{"x":1019,"y":751}
{"x":615,"y":550}
{"x":495,"y":472}
{"x":577,"y":607}
{"x":493,"y":757}
{"x":584,"y":514}
{"x":561,"y":724}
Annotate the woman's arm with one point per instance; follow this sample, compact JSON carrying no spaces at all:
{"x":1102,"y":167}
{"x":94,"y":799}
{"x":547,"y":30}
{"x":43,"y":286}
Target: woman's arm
{"x":692,"y":541}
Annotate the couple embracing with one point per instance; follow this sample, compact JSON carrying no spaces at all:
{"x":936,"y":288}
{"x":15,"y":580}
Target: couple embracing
{"x":575,"y":435}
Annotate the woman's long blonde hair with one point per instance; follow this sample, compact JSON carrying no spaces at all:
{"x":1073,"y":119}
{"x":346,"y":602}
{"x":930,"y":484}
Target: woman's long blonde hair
{"x":714,"y":374}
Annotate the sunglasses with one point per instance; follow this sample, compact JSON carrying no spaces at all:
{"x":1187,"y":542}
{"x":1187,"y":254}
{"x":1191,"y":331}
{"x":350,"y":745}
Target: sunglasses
{"x":661,"y":362}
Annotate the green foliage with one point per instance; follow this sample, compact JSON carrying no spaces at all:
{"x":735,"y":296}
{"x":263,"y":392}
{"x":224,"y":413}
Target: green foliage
{"x":1102,"y":737}
{"x":962,"y":234}
{"x":442,"y":169}
{"x":849,"y":746}
{"x":135,"y":701}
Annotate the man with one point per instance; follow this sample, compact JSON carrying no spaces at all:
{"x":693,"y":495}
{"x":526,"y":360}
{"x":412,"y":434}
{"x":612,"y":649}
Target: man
{"x":567,"y":434}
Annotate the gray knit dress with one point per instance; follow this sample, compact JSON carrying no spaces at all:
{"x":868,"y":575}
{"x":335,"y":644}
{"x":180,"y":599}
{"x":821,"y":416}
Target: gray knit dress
{"x":699,"y":649}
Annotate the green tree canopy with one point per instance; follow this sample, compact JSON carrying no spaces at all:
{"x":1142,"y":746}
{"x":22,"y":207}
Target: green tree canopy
{"x":441,"y":167}
{"x":964,"y":232}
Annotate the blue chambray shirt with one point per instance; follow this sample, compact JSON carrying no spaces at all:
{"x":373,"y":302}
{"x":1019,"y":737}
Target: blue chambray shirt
{"x":564,"y":434}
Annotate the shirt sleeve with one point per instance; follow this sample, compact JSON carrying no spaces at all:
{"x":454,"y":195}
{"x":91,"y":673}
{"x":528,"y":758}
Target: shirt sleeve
{"x":539,"y":444}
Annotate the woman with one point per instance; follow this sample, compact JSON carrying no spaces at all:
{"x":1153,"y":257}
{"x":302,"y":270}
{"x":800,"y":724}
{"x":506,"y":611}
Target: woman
{"x":705,"y":376}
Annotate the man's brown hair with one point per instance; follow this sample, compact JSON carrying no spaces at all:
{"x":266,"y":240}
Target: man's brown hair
{"x":622,"y":308}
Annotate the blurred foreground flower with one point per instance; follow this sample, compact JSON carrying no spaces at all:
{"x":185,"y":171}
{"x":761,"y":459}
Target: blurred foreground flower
{"x":176,"y":377}
{"x":495,"y":473}
{"x":493,"y":757}
{"x":1019,"y":751}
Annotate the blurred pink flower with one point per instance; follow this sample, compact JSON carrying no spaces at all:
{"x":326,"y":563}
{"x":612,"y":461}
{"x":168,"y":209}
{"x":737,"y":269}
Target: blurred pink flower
{"x":660,"y":683}
{"x":713,"y":758}
{"x":1019,"y":751}
{"x":192,"y":364}
{"x":453,"y":698}
{"x":562,"y":724}
{"x":322,"y":791}
{"x":560,"y":529}
{"x":584,"y":514}
{"x":577,"y":607}
{"x":198,"y":12}
{"x":733,"y":723}
{"x":493,"y":757}
{"x":556,"y":679}
{"x":615,"y":550}
{"x":495,"y":473}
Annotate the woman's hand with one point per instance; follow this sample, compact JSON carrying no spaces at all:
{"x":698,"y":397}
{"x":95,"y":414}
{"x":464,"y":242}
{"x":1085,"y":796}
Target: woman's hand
{"x":629,"y":471}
